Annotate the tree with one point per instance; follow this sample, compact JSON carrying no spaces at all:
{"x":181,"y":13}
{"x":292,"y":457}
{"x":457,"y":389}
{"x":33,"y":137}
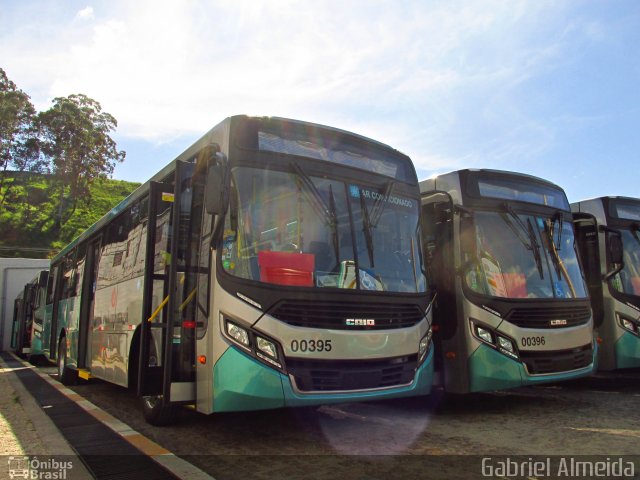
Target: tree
{"x":19,"y":145}
{"x":75,"y":137}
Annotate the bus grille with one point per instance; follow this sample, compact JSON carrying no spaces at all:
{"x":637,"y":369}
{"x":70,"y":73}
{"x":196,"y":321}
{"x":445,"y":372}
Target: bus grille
{"x":540,"y":363}
{"x":334,"y":315}
{"x":340,"y":375}
{"x":541,"y":317}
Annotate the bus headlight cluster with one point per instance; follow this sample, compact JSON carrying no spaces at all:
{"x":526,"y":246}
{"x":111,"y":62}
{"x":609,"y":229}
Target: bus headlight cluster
{"x":254,"y":343}
{"x":425,"y":342}
{"x":499,"y":341}
{"x":628,"y":324}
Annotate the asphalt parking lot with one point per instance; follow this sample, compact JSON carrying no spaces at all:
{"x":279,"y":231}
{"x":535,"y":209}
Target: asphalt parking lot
{"x":399,"y":438}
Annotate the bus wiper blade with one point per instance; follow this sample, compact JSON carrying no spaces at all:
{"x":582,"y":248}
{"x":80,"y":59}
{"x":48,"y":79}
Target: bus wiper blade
{"x":327,"y":212}
{"x":334,"y":225}
{"x":366,"y":228}
{"x":530,"y":244}
{"x":536,"y":248}
{"x":553,"y":247}
{"x":380,"y":203}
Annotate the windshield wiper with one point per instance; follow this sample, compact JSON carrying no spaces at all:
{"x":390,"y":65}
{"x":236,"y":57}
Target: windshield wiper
{"x":327,"y":212}
{"x":536,"y":248}
{"x":554,"y":248}
{"x":370,"y":220}
{"x":380,"y":203}
{"x":366,"y":227}
{"x":532,"y":242}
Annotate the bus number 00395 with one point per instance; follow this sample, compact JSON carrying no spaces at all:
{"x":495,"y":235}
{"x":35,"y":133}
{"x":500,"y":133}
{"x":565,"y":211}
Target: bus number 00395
{"x":311,"y":345}
{"x":532,"y":341}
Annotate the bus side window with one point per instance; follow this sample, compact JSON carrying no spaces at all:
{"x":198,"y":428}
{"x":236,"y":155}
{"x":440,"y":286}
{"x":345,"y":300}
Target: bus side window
{"x":51,"y":285}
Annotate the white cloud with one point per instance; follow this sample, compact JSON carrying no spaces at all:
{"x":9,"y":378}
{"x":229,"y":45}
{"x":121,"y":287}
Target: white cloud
{"x":85,"y":14}
{"x":421,"y":77}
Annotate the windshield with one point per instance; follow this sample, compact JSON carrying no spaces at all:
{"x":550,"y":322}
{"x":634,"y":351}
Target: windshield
{"x":288,"y":228}
{"x":628,"y":280}
{"x":521,"y":256}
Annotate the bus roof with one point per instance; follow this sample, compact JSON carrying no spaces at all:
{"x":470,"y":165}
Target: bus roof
{"x":188,"y":154}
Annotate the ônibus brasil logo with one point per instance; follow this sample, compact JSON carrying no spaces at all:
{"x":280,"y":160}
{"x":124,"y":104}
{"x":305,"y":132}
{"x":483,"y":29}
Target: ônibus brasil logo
{"x":36,"y":469}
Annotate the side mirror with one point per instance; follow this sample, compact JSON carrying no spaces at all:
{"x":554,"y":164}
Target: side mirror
{"x":214,"y":190}
{"x":616,"y":249}
{"x":615,"y":252}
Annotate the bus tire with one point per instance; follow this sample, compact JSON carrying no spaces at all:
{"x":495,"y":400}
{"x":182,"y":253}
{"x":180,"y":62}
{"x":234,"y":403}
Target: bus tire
{"x":37,"y":360}
{"x":66,"y":374}
{"x":156,"y":412}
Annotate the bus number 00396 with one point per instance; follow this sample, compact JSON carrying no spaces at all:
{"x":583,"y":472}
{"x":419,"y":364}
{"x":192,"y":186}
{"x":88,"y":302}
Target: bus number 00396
{"x":532,"y":341}
{"x":311,"y":345}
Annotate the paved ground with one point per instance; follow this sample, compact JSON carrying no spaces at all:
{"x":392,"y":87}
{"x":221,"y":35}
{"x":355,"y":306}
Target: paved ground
{"x":393,"y":439}
{"x":26,"y":430}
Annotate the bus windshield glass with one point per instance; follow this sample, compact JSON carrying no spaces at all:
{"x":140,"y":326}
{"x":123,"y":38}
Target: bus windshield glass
{"x":522,"y":256}
{"x":628,"y":280}
{"x":287,"y":228}
{"x":522,"y":191}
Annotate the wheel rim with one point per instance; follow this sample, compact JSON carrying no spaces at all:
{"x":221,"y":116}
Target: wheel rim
{"x":151,"y":402}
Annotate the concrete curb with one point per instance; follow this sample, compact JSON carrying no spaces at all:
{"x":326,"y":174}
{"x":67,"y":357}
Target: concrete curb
{"x":176,"y":465}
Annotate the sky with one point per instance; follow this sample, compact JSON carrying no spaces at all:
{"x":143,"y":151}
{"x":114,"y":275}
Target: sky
{"x":547,"y":88}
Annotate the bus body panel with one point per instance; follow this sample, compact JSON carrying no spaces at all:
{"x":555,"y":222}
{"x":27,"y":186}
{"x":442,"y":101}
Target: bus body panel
{"x":619,"y":348}
{"x":489,"y":370}
{"x":242,"y":383}
{"x":627,"y":351}
{"x":345,"y":344}
{"x":468,"y":363}
{"x":192,"y":351}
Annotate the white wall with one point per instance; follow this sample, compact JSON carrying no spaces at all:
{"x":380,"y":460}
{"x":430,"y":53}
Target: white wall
{"x":14,"y":274}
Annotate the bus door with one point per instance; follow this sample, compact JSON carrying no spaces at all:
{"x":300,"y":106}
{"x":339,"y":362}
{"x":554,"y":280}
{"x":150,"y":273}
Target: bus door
{"x":167,"y":349}
{"x":437,"y":230}
{"x":586,"y":229}
{"x":88,"y":293}
{"x":53,"y":298}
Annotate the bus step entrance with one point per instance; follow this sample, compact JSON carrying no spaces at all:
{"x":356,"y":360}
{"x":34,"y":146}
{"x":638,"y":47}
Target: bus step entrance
{"x":166,"y":366}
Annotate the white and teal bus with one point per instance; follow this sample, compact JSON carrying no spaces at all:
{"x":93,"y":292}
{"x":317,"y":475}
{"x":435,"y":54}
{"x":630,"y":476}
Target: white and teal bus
{"x":512,"y":306}
{"x":274,"y":263}
{"x":608,"y":235}
{"x":28,"y":316}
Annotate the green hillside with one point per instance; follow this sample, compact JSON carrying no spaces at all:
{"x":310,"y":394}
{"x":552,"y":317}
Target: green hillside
{"x":29,"y":225}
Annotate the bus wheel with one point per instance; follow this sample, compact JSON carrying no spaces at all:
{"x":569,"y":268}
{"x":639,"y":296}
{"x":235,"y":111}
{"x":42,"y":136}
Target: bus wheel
{"x":156,"y":412}
{"x":66,"y":375}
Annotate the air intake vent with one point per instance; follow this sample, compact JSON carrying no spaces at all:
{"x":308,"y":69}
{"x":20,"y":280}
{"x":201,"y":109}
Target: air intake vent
{"x":330,"y":375}
{"x":334,"y":315}
{"x":540,"y":363}
{"x":549,"y":317}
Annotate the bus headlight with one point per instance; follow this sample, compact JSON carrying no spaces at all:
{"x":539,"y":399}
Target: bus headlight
{"x":628,"y":324}
{"x":267,"y":347}
{"x":506,"y":346}
{"x":238,"y":333}
{"x":498,"y":341}
{"x":484,"y":334}
{"x":423,"y":348}
{"x":252,"y":342}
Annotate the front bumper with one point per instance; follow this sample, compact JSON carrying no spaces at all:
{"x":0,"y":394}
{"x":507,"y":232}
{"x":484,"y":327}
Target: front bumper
{"x":241,"y":383}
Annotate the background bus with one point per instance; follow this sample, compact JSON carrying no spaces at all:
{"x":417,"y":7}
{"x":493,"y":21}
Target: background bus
{"x":607,"y":234}
{"x":512,"y":306}
{"x":274,"y":263}
{"x":28,"y":316}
